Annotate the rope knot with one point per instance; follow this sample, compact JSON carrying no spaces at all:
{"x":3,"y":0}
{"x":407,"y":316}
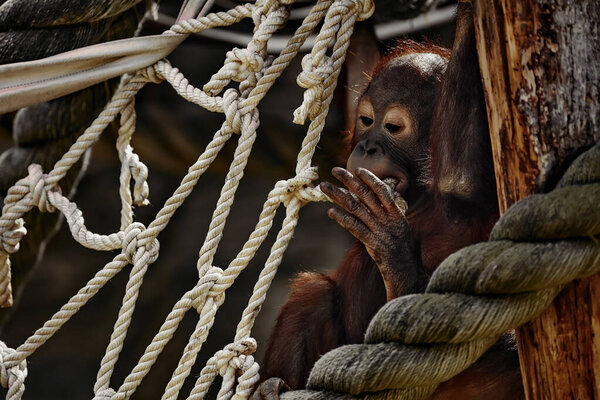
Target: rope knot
{"x":231,"y":104}
{"x":312,"y":74}
{"x":134,"y":250}
{"x":12,"y":227}
{"x":261,"y":9}
{"x":10,"y":238}
{"x":150,"y":73}
{"x":12,"y":377}
{"x":39,"y":189}
{"x":210,"y":289}
{"x":297,"y":187}
{"x":234,"y":355}
{"x":139,"y":173}
{"x":312,"y":79}
{"x":213,"y":275}
{"x":246,"y":62}
{"x":364,"y":8}
{"x":241,"y":65}
{"x":105,"y":394}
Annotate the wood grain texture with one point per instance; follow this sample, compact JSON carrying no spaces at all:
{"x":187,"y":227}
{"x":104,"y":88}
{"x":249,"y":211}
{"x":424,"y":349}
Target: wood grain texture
{"x":540,"y":70}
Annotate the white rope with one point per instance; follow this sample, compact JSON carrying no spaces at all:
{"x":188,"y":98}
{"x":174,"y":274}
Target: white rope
{"x":131,"y":167}
{"x":256,"y":72}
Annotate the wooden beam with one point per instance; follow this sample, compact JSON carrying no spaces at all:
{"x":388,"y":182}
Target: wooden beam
{"x":540,"y":70}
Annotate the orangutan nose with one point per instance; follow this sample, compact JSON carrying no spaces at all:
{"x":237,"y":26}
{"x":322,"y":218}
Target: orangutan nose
{"x":368,"y":148}
{"x":369,"y":154}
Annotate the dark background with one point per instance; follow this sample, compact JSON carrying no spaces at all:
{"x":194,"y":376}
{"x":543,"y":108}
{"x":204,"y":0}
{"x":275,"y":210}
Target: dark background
{"x":171,"y":134}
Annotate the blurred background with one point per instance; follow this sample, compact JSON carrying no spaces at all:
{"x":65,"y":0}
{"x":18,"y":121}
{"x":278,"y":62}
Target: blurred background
{"x":171,"y":134}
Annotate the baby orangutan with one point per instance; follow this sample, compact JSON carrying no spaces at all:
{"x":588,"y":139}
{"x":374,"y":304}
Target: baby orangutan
{"x":420,"y":136}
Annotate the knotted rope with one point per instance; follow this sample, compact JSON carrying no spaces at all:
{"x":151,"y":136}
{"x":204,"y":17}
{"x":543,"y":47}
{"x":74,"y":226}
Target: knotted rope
{"x":416,"y":342}
{"x":139,"y":245}
{"x":13,"y":377}
{"x":27,"y":193}
{"x":317,"y":67}
{"x":131,"y":166}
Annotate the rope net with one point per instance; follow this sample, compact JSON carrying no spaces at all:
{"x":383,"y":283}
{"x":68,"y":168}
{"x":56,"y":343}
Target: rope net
{"x":256,"y":73}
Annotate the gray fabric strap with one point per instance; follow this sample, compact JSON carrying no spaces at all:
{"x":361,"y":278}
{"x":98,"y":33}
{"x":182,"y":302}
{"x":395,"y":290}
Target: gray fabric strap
{"x":26,"y":83}
{"x":31,"y":82}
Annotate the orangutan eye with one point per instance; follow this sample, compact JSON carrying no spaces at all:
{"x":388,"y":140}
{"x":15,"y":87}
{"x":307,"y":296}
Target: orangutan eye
{"x":366,"y":121}
{"x":393,"y":128}
{"x":397,"y":121}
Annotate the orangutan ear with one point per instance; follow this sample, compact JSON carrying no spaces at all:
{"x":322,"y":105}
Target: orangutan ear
{"x":362,"y":57}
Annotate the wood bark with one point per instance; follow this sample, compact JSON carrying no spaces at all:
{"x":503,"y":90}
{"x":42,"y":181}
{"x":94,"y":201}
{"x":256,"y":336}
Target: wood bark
{"x":541,"y":73}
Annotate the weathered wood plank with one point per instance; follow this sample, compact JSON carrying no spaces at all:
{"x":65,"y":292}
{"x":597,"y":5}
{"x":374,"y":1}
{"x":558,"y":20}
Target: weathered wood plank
{"x":540,"y":70}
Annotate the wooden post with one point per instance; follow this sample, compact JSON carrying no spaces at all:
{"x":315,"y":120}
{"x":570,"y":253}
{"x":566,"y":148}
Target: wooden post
{"x":540,"y":65}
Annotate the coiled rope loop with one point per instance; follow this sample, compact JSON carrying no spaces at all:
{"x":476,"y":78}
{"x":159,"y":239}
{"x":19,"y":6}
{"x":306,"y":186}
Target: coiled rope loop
{"x":318,"y":68}
{"x":31,"y":191}
{"x":312,"y":78}
{"x":135,"y":251}
{"x":299,"y":187}
{"x":13,"y":377}
{"x":416,"y":342}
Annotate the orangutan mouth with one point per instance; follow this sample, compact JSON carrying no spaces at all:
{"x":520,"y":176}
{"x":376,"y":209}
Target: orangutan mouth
{"x":394,"y":184}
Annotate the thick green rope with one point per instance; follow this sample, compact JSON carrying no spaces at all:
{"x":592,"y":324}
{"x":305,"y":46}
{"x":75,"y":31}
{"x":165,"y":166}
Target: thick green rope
{"x":416,"y":342}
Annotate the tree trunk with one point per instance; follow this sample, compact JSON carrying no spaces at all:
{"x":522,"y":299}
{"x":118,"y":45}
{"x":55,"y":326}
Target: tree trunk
{"x":540,"y":67}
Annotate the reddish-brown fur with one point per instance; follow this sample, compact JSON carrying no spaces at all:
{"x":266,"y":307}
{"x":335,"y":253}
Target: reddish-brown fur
{"x":327,"y":311}
{"x":407,"y":46}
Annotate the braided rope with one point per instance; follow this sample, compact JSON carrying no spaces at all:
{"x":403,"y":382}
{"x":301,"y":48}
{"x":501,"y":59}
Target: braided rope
{"x":416,"y":342}
{"x":256,"y":73}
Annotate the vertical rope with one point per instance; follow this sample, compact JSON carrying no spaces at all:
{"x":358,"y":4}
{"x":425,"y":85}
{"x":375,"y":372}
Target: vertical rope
{"x":139,"y":246}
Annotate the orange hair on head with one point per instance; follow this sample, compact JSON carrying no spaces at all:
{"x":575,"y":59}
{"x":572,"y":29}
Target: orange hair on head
{"x":408,"y":46}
